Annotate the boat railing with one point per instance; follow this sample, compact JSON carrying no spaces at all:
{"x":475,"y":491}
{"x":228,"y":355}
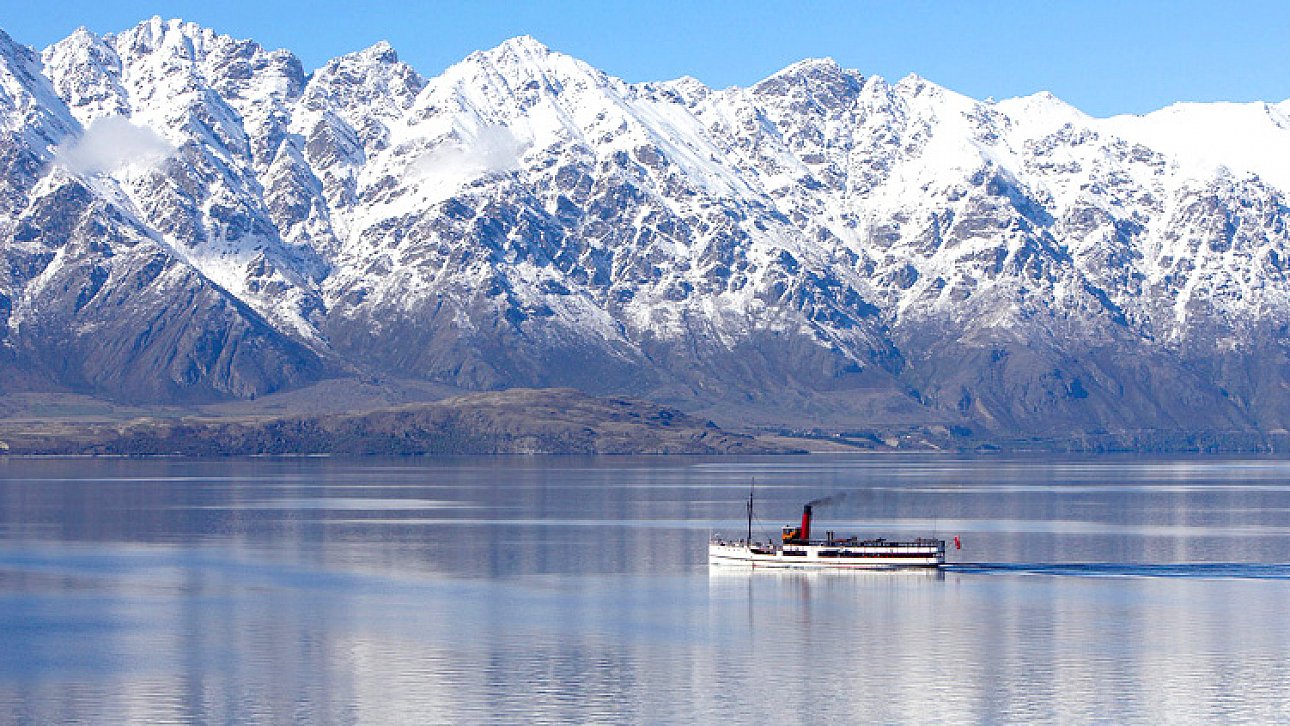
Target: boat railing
{"x":919,"y":543}
{"x":741,"y":542}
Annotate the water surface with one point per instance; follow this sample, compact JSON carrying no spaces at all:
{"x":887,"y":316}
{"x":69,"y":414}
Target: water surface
{"x":1121,"y":589}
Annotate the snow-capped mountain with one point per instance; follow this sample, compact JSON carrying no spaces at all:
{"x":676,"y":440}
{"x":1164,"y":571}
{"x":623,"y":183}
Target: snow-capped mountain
{"x":187,"y":215}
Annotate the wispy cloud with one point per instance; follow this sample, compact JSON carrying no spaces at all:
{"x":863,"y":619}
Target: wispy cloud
{"x":489,"y":149}
{"x":111,"y":143}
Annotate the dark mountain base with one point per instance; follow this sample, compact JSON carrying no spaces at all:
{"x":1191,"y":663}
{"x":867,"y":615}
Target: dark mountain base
{"x":357,"y":417}
{"x":518,"y":421}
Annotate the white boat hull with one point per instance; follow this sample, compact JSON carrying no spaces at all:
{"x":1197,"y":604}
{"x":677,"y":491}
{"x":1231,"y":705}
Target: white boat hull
{"x":824,"y":556}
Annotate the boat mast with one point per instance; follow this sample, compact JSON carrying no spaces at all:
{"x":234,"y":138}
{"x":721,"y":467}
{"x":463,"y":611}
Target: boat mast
{"x":750,"y":507}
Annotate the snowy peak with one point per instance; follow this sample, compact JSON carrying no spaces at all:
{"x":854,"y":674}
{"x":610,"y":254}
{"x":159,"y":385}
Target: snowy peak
{"x":235,"y":67}
{"x":86,"y":73}
{"x":686,"y":90}
{"x":379,"y":52}
{"x":1042,"y":112}
{"x":1243,"y":137}
{"x":808,"y":67}
{"x":29,"y":108}
{"x":872,"y":248}
{"x":822,"y":77}
{"x":173,"y":38}
{"x":523,"y":46}
{"x":524,"y":66}
{"x":370,"y":82}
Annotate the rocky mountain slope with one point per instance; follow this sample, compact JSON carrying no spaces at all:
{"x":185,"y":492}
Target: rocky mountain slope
{"x":187,"y":216}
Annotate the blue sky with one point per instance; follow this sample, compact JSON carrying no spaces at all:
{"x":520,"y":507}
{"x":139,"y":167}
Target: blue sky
{"x":1131,"y":56}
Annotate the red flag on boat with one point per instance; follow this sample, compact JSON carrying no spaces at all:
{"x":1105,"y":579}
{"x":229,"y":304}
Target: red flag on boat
{"x":957,"y":544}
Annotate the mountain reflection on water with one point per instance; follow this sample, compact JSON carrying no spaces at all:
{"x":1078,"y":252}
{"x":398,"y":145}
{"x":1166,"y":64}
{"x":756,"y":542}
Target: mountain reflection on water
{"x":569,"y":589}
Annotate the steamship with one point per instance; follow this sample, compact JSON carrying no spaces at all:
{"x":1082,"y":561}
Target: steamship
{"x":796,"y":549}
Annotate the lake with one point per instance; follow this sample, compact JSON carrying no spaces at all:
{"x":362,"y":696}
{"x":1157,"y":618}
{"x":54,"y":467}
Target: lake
{"x":563,"y":589}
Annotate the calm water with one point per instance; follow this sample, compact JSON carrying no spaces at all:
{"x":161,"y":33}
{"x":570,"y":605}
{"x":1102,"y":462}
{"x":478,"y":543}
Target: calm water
{"x":577,"y":590}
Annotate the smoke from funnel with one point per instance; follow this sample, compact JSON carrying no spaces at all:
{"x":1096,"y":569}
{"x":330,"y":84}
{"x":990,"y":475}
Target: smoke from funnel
{"x":839,"y":497}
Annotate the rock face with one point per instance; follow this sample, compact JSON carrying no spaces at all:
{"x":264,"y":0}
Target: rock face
{"x":184,"y":216}
{"x":114,"y":236}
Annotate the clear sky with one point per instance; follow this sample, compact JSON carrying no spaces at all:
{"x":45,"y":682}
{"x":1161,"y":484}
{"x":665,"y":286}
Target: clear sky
{"x":1130,"y":56}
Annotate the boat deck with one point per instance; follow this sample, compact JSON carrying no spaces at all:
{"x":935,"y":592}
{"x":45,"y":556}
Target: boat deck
{"x":875,"y":553}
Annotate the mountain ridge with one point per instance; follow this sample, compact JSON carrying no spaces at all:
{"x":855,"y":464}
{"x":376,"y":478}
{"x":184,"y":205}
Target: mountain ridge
{"x":822,"y":247}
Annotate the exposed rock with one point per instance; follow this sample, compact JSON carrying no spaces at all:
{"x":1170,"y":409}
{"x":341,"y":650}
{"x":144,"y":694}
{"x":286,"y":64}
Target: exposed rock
{"x":823,"y":249}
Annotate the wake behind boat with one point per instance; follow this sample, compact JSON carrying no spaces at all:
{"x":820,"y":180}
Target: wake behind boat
{"x":797,"y":550}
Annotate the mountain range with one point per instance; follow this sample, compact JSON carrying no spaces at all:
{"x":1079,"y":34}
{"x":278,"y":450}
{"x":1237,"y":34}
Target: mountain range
{"x":186,"y":218}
